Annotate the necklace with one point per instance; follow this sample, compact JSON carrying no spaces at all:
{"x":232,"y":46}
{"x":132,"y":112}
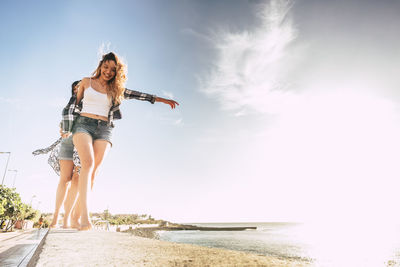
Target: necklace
{"x":103,"y":85}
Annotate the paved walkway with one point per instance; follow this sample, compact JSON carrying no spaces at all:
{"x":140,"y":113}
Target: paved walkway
{"x":68,"y":247}
{"x":17,"y":248}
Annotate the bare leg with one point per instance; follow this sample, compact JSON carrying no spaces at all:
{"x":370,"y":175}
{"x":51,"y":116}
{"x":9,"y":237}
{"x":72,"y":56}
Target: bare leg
{"x":75,"y":214}
{"x":84,"y":145}
{"x":70,"y":199}
{"x":66,"y":167}
{"x":101,"y":149}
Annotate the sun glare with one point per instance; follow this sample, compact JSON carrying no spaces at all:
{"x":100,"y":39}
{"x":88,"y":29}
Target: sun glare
{"x":335,"y":154}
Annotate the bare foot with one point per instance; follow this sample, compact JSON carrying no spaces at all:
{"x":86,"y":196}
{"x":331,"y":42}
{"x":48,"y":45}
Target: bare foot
{"x":66,"y":222}
{"x":75,"y":223}
{"x":53,"y":223}
{"x":86,"y":227}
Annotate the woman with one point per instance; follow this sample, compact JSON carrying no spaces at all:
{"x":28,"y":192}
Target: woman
{"x":97,"y":104}
{"x":68,"y":173}
{"x":66,"y":165}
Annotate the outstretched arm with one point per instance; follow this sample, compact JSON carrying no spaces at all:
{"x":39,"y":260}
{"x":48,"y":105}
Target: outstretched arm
{"x":170,"y":102}
{"x":131,"y":94}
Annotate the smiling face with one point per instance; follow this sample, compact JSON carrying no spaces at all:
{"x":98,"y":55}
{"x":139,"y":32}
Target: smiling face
{"x":108,"y":70}
{"x":111,"y":73}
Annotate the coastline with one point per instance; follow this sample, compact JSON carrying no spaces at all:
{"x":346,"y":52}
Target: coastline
{"x":71,"y":247}
{"x":152,"y":232}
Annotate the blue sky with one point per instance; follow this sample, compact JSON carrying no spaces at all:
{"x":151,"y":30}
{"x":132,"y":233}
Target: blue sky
{"x":282,"y":106}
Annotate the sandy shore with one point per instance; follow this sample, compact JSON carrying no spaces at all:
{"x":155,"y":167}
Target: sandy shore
{"x":100,"y":248}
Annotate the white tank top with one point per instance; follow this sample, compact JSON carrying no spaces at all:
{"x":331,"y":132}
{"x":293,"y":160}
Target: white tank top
{"x":94,"y":102}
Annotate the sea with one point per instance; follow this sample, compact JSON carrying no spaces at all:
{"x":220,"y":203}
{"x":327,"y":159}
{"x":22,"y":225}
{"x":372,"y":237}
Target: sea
{"x":318,"y":244}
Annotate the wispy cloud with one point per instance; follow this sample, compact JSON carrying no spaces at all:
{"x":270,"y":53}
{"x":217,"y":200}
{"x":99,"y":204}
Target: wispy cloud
{"x":57,"y":102}
{"x":172,"y":120}
{"x":168,"y":118}
{"x":104,"y":48}
{"x":107,"y":47}
{"x":25,"y":103}
{"x":9,"y":100}
{"x":250,"y":66}
{"x":179,"y":122}
{"x":197,"y":35}
{"x":169,"y":95}
{"x":17,"y":103}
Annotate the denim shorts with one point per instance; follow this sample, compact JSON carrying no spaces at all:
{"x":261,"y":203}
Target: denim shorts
{"x":66,"y":149}
{"x":97,"y":129}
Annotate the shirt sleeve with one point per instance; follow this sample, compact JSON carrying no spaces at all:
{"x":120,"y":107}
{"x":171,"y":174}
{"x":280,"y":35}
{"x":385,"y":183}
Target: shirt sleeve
{"x":131,"y":94}
{"x":47,"y":149}
{"x":68,"y":115}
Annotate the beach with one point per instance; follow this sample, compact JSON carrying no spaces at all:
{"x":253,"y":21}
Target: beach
{"x":66,"y":247}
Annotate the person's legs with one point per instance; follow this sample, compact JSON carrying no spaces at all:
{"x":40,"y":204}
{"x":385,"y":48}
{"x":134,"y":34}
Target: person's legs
{"x":84,"y":144}
{"x":101,"y":148}
{"x":76,"y":214}
{"x":66,"y":167}
{"x":71,"y":198}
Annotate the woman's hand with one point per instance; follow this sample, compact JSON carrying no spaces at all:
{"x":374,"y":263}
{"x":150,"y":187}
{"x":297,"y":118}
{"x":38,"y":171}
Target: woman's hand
{"x":64,"y":135}
{"x":170,"y":102}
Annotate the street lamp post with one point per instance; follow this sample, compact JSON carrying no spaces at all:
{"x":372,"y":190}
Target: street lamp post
{"x":15,"y":176}
{"x":5,"y":170}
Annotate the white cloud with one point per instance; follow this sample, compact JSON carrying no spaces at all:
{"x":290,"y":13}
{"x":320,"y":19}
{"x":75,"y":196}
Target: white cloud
{"x":107,"y":47}
{"x":250,"y":66}
{"x":178,"y":122}
{"x":25,"y":104}
{"x":10,"y":100}
{"x":58,"y":102}
{"x":175,"y":120}
{"x":169,"y":95}
{"x":197,"y":35}
{"x":103,"y":49}
{"x":16,"y":103}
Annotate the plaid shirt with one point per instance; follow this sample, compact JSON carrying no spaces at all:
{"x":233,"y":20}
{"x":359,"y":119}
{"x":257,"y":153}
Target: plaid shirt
{"x":47,"y":149}
{"x":72,"y":110}
{"x":54,"y":160}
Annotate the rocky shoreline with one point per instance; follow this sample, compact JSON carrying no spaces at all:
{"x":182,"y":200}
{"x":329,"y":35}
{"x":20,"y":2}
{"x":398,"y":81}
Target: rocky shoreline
{"x":151,"y":232}
{"x":179,"y":227}
{"x":143,"y":232}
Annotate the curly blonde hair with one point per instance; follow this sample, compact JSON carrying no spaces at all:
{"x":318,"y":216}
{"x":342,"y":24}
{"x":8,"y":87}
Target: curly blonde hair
{"x":116,"y":86}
